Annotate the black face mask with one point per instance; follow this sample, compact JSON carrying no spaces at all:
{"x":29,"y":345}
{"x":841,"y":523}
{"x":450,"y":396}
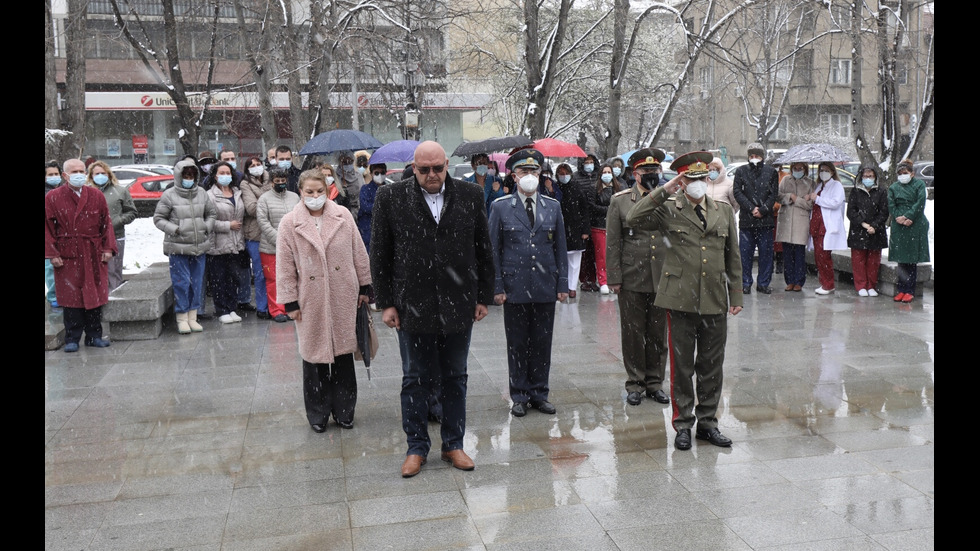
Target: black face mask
{"x":279,"y":187}
{"x":650,"y":180}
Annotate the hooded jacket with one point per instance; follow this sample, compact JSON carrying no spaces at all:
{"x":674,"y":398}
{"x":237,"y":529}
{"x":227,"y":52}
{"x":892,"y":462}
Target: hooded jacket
{"x":185,"y":216}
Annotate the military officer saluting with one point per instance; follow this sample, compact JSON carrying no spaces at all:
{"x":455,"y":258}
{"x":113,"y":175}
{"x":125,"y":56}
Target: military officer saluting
{"x":699,"y":286}
{"x":634,"y":261}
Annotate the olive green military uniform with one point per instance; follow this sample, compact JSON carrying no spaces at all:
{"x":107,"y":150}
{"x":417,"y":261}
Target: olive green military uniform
{"x":634,"y":260}
{"x":701,"y":279}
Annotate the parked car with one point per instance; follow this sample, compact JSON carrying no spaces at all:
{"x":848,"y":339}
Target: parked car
{"x":146,"y":192}
{"x":127,"y":174}
{"x":462,"y":170}
{"x":923,"y":171}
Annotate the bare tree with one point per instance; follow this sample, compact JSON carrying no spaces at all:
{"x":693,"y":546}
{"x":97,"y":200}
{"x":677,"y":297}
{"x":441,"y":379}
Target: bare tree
{"x":52,"y":117}
{"x":256,"y":43}
{"x":73,"y":116}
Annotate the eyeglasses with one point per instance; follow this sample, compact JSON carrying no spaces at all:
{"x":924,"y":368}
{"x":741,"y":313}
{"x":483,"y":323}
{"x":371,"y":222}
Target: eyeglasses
{"x":423,"y":170}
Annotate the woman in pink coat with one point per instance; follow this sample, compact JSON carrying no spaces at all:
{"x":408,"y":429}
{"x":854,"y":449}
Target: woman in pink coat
{"x":322,"y":275}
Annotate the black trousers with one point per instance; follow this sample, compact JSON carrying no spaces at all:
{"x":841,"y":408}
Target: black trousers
{"x":330,"y":389}
{"x":529,"y":328}
{"x":77,"y":319}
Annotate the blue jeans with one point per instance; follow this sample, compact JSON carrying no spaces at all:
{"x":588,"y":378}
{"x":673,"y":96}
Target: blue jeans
{"x":261,"y":297}
{"x":748,"y":240}
{"x":187,"y":276}
{"x":423,"y":357}
{"x":49,"y":281}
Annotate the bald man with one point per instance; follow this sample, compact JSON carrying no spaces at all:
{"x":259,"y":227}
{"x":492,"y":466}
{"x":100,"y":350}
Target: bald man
{"x":432,"y":270}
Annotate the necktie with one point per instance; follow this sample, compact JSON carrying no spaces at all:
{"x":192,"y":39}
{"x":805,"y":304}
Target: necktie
{"x":530,"y":210}
{"x":698,"y":210}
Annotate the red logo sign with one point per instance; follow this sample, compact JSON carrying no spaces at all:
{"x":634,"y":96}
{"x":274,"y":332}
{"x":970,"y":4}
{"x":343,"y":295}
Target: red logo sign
{"x":147,"y":101}
{"x":140,"y":141}
{"x":362,"y":100}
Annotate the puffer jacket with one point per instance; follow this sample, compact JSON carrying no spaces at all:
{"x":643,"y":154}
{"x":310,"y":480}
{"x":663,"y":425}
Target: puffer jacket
{"x":252,"y":189}
{"x":271,"y":208}
{"x":227,"y":240}
{"x":185,"y":216}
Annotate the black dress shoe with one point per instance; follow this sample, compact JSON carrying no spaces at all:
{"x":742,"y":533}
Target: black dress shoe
{"x":318,"y":428}
{"x":747,"y":290}
{"x":245,"y":307}
{"x":263,"y":315}
{"x":202,"y":315}
{"x":281,"y":318}
{"x":683,"y":439}
{"x":345,"y":424}
{"x":519,"y":409}
{"x":764,"y":290}
{"x":633,"y":398}
{"x":714,"y":436}
{"x":544,"y":406}
{"x":659,"y":396}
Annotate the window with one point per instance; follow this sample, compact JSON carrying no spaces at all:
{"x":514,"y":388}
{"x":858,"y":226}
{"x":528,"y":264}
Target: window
{"x":704,"y":77}
{"x":804,"y":68}
{"x":840,"y":71}
{"x":684,"y":130}
{"x":836,"y":124}
{"x":808,"y":21}
{"x":780,"y":134}
{"x":841,"y":14}
{"x":901,"y":72}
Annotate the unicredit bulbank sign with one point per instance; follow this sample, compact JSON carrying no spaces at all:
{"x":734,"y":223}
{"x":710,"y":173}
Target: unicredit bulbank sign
{"x":150,"y":101}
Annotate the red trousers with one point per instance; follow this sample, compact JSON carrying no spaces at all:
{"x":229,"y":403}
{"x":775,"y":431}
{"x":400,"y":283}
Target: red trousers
{"x":825,"y":263}
{"x":269,"y":269}
{"x":865,"y":263}
{"x":599,"y":244}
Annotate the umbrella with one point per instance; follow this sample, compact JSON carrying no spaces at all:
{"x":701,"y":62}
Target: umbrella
{"x":398,"y":151}
{"x":813,"y":153}
{"x":362,"y":332}
{"x":491,"y":144}
{"x":339,"y":140}
{"x":550,"y":147}
{"x":501,"y":159}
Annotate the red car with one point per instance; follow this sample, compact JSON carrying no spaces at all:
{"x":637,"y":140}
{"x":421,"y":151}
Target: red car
{"x":146,"y":191}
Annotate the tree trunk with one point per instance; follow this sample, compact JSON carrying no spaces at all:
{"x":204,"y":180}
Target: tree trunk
{"x":52,"y":117}
{"x":289,"y":45}
{"x":73,"y":118}
{"x":257,"y":55}
{"x":616,"y":73}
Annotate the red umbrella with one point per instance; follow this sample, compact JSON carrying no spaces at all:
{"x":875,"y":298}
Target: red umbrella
{"x":550,"y":147}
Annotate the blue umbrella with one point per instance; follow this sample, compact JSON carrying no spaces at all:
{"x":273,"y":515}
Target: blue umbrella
{"x":398,"y":151}
{"x":339,"y":140}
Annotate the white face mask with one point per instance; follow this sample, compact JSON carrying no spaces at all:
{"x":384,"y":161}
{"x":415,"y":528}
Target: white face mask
{"x":529,"y":184}
{"x":379,"y":178}
{"x":824,"y":175}
{"x":329,"y":180}
{"x":755,"y":161}
{"x":315,"y":203}
{"x":256,"y":171}
{"x":697,"y":189}
{"x":904,"y":178}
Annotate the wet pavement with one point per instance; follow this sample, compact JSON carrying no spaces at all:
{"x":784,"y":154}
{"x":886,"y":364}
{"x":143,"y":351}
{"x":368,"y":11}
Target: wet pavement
{"x":200,"y":442}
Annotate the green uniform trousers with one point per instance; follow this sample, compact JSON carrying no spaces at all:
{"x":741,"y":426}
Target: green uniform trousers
{"x":697,"y":345}
{"x":643,"y":329}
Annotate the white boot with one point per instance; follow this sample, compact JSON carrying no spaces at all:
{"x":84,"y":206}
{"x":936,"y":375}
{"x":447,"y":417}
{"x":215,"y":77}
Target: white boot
{"x":182,"y":326}
{"x":192,"y":321}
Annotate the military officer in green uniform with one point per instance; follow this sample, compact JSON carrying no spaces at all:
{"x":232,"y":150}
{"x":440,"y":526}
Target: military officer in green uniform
{"x":634,"y":261}
{"x":700,"y":285}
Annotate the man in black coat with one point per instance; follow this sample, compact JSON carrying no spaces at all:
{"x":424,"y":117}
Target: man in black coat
{"x":756,"y":189}
{"x":433,"y":276}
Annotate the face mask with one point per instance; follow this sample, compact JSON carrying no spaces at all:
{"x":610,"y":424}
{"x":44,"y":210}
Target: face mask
{"x":285,"y":165}
{"x":617,"y":171}
{"x":52,"y":180}
{"x":279,"y":187}
{"x":606,"y":178}
{"x":824,"y":175}
{"x":347,"y":168}
{"x":491,"y":172}
{"x":100,"y":179}
{"x":565,"y":178}
{"x":256,"y":171}
{"x":481,"y":170}
{"x":697,"y":189}
{"x":904,"y":178}
{"x":797,"y":174}
{"x":233,"y":164}
{"x":713,"y":174}
{"x":315,"y":203}
{"x":76,"y":180}
{"x":528,"y":184}
{"x":650,"y":180}
{"x":868,"y":182}
{"x":588,"y":167}
{"x":379,"y":179}
{"x":188,"y":184}
{"x":329,"y":180}
{"x":361,"y":170}
{"x":224,"y":180}
{"x":755,"y":161}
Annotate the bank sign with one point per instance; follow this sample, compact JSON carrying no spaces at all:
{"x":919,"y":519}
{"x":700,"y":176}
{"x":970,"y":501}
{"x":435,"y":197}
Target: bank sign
{"x":152,"y":101}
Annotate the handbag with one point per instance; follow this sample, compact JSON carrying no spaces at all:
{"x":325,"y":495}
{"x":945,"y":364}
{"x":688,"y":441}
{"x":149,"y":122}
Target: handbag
{"x":367,"y":337}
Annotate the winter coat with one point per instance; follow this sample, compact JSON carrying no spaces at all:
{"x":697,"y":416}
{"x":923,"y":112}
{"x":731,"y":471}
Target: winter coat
{"x":909,"y":244}
{"x":351,"y":182}
{"x":122,"y":209}
{"x":794,"y":216}
{"x":78,"y":230}
{"x":575,"y":211}
{"x":530,"y":261}
{"x":831,"y":203}
{"x":227,"y":240}
{"x":586,"y":180}
{"x":722,"y":190}
{"x":271,"y":209}
{"x":365,"y":206}
{"x":321,"y":270}
{"x":489,"y":195}
{"x":185,"y":216}
{"x":600,"y":205}
{"x":555,"y":192}
{"x":434,"y":274}
{"x":756,"y":186}
{"x":252,"y":189}
{"x":634,"y":256}
{"x":867,"y":206}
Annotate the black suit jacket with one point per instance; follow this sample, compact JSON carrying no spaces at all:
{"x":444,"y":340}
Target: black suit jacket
{"x":434,"y":274}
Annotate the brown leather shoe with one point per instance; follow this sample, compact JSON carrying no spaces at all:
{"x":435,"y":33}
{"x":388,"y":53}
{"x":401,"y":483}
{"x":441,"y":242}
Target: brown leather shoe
{"x":790,"y":287}
{"x":459,"y":459}
{"x":412,"y":465}
{"x":797,"y":288}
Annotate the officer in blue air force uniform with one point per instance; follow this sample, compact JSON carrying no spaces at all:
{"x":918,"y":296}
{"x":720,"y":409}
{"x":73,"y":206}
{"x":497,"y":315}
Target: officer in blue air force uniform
{"x":531,"y":263}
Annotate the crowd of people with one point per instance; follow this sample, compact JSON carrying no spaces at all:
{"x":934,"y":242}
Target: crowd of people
{"x":431,"y":252}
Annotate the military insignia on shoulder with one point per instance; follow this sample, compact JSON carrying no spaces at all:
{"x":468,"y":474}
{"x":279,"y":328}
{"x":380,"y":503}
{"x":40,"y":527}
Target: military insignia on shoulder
{"x":623,"y":192}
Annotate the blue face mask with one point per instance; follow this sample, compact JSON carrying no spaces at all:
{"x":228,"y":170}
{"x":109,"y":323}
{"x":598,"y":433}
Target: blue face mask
{"x":188,"y":184}
{"x":100,"y":179}
{"x":224,"y":179}
{"x":617,"y":171}
{"x":285,"y":165}
{"x":76,"y":180}
{"x":52,"y":180}
{"x":713,"y":174}
{"x":797,"y":174}
{"x":481,"y":170}
{"x":868,"y":182}
{"x":233,"y":164}
{"x":606,"y":178}
{"x":588,"y":167}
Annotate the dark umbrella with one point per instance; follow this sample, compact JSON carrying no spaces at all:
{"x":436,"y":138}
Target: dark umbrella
{"x":490,"y":145}
{"x":398,"y":151}
{"x":813,"y":153}
{"x":339,"y":140}
{"x":363,"y":335}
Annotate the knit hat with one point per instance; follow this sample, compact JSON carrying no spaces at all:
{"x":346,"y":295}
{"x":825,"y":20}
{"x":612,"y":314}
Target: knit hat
{"x":755,"y":148}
